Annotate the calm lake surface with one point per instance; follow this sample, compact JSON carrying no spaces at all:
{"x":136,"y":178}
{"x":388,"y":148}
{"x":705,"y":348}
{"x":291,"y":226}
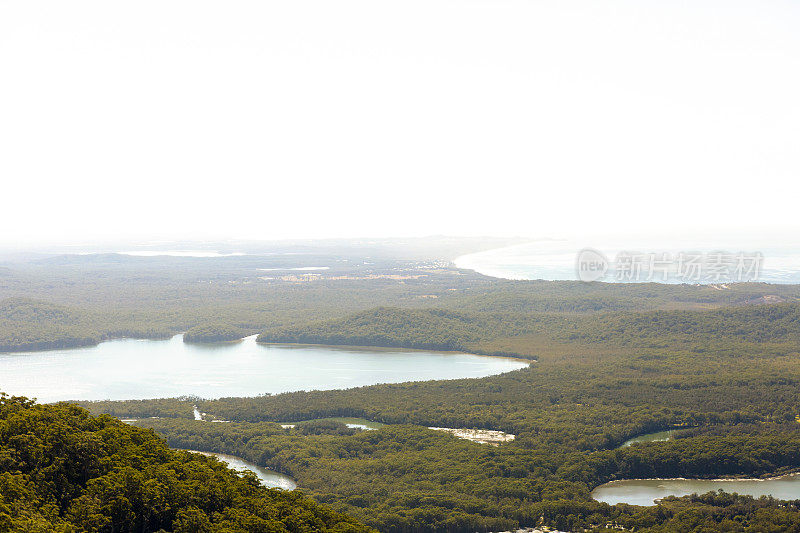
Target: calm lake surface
{"x":646,"y":491}
{"x":268,"y":478}
{"x":139,"y":369}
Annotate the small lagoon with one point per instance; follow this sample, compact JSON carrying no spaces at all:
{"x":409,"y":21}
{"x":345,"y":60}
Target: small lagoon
{"x":648,"y":491}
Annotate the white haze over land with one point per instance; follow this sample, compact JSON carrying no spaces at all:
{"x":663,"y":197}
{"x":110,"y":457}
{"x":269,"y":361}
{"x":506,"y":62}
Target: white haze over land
{"x":315,"y":118}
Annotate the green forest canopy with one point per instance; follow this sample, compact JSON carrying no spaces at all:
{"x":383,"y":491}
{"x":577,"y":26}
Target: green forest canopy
{"x":613,"y":361}
{"x":729,"y":376}
{"x":64,"y":470}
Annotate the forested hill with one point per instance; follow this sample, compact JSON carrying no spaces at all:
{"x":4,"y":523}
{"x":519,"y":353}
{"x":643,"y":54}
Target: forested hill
{"x":62,"y":470}
{"x":446,"y":329}
{"x":80,"y":300}
{"x":753,"y":323}
{"x":27,"y":324}
{"x":431,"y":329}
{"x":213,"y":333}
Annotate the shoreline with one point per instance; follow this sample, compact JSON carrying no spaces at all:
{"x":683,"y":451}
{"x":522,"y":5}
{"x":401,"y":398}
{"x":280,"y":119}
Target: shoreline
{"x":793,"y":473}
{"x":458,"y":261}
{"x":362,"y":347}
{"x":358,"y":347}
{"x":229,"y":460}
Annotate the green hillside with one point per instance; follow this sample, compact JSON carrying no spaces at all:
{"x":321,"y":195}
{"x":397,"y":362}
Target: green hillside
{"x":62,"y":470}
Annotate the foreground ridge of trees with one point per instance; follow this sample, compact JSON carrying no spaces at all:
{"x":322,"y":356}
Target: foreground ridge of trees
{"x":62,"y":470}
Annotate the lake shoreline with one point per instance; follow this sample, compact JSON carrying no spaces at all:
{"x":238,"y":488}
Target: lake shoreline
{"x":359,"y":347}
{"x":238,"y":464}
{"x":393,"y":349}
{"x":647,"y":492}
{"x":139,"y":369}
{"x":772,"y":477}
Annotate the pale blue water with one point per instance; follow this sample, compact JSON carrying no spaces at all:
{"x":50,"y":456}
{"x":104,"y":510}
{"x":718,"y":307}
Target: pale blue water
{"x":555,"y":259}
{"x":140,"y":369}
{"x":269,"y":478}
{"x":646,"y":491}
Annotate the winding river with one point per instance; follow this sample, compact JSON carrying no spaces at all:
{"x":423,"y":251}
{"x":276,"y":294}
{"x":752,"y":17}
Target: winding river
{"x":268,"y":478}
{"x":140,"y":369}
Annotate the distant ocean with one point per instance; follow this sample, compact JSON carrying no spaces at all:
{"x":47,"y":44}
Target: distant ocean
{"x":556,"y":259}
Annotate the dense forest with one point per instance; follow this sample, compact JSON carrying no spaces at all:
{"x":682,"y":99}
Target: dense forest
{"x":213,"y":333}
{"x":32,"y":325}
{"x":408,"y":478}
{"x":736,"y":394}
{"x":78,"y":300}
{"x":64,"y":470}
{"x":431,"y":329}
{"x":446,"y":329}
{"x":608,"y":362}
{"x":27,"y":325}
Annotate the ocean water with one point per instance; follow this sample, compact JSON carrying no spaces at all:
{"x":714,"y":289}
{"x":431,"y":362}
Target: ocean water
{"x":556,"y":259}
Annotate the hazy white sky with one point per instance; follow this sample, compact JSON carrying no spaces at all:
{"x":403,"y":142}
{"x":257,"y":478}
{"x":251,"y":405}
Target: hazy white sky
{"x":321,"y":118}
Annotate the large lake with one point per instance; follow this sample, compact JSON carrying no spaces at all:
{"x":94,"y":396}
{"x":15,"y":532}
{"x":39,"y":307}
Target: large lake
{"x":139,"y":369}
